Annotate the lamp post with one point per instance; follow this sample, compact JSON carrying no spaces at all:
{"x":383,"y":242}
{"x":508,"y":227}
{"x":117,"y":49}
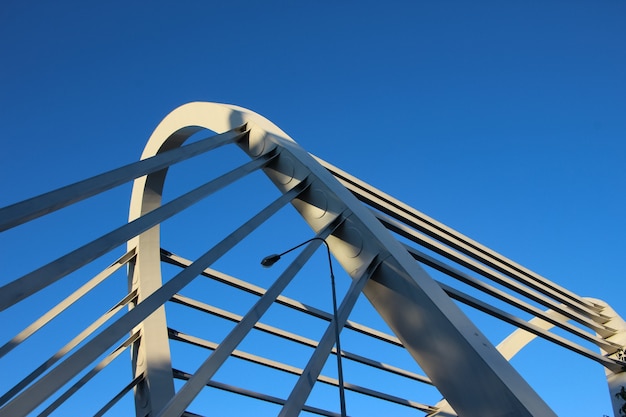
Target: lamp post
{"x":270,"y":260}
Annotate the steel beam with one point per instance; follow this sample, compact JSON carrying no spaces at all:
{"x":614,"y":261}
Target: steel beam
{"x":35,"y":207}
{"x":206,"y":371}
{"x":32,"y":282}
{"x":65,"y":371}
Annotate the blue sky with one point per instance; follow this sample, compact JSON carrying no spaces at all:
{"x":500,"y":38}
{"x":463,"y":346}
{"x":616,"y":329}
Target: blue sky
{"x":504,"y":120}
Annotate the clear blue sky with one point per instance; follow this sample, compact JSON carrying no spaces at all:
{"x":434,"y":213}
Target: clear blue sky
{"x":504,"y":120}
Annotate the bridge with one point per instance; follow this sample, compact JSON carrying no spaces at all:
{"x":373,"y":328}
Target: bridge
{"x":171,"y":313}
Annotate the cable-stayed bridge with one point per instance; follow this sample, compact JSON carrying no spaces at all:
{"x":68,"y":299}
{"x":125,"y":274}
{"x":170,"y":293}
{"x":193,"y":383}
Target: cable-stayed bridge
{"x":173,"y":311}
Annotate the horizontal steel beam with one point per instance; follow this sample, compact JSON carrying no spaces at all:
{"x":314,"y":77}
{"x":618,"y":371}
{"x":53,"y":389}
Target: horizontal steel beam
{"x":218,"y":312}
{"x":173,"y":259}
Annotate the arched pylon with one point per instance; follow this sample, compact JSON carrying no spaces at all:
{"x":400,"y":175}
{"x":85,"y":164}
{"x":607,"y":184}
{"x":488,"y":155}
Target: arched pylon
{"x":433,"y":329}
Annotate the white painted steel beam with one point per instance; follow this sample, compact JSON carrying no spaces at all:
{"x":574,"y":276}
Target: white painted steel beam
{"x":252,"y":394}
{"x":297,"y":371}
{"x":34,"y":281}
{"x":173,"y":259}
{"x":538,"y":327}
{"x":218,"y":312}
{"x":431,"y":227}
{"x":57,"y":356}
{"x":35,"y":207}
{"x":89,"y":375}
{"x":542,"y":296}
{"x":515,"y":302}
{"x":63,"y":305}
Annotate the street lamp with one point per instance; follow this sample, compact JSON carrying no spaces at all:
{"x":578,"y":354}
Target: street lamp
{"x":270,"y":260}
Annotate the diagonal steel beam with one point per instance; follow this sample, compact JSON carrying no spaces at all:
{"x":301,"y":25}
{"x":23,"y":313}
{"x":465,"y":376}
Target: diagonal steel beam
{"x":188,"y":392}
{"x":34,"y":281}
{"x":35,"y":207}
{"x":34,"y":395}
{"x":303,"y":387}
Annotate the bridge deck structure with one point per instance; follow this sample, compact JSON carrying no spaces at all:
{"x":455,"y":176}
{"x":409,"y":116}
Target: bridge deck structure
{"x":173,"y":314}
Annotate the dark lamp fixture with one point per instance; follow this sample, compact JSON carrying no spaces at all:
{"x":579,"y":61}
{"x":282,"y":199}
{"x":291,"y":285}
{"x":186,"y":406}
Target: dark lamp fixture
{"x":270,"y":260}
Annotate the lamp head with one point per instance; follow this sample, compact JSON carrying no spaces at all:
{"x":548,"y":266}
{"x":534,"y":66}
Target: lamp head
{"x":270,"y":260}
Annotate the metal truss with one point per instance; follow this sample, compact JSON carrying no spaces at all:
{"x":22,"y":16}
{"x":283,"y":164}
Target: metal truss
{"x":196,"y":329}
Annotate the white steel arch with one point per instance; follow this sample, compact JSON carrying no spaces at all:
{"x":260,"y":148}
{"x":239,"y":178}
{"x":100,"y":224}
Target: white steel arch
{"x":398,"y":281}
{"x":380,"y":243}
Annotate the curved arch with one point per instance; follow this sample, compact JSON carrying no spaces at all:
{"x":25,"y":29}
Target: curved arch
{"x":445,"y":343}
{"x":151,"y":355}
